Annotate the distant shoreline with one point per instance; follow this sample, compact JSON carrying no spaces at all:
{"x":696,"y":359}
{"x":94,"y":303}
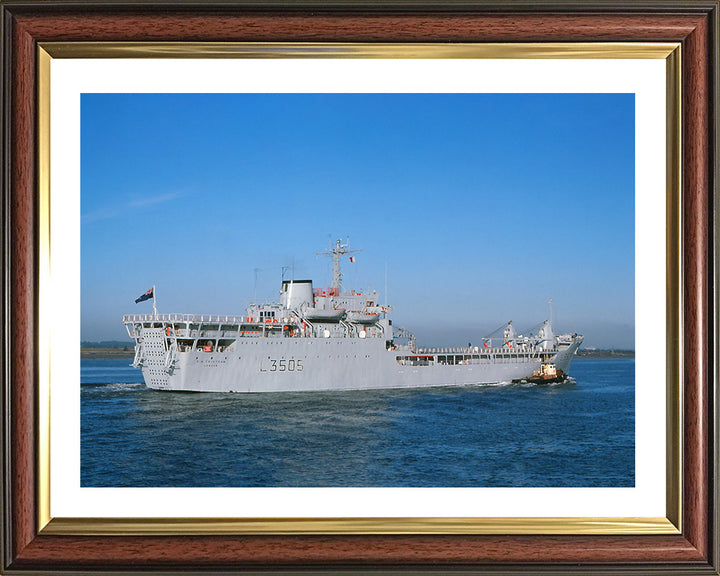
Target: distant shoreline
{"x":605,"y":354}
{"x":129,"y":352}
{"x":88,"y":352}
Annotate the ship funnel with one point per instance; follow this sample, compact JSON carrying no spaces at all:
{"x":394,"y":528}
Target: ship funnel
{"x":295,"y":293}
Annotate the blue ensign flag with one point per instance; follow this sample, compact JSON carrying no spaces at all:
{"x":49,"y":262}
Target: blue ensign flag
{"x":146,"y":296}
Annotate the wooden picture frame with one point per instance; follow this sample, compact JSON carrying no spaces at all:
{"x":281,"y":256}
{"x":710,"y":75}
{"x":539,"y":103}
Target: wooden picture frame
{"x":28,"y":547}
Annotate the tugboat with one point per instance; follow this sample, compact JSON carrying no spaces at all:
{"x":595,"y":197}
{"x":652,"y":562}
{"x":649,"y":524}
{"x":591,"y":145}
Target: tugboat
{"x":547,"y":374}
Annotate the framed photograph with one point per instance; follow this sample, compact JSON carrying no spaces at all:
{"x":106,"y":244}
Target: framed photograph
{"x":167,"y":163}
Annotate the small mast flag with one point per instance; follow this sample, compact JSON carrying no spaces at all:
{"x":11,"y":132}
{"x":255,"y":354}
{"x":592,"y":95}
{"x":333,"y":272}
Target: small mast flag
{"x":352,"y":258}
{"x":146,"y":296}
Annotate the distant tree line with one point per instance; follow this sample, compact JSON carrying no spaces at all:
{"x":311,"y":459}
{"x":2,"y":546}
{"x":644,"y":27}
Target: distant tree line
{"x":606,"y":353}
{"x":107,"y":344}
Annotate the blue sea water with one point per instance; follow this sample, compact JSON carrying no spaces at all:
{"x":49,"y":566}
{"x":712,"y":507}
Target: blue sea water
{"x":579,"y":433}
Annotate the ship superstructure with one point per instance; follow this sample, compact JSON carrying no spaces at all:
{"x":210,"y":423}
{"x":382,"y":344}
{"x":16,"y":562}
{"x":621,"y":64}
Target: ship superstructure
{"x":325,"y":339}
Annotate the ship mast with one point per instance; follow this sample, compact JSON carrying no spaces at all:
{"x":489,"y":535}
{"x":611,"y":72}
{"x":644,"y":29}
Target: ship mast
{"x":336,"y":252}
{"x":550,"y":303}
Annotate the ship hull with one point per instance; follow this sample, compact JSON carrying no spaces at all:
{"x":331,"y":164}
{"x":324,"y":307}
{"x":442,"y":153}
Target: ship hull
{"x":313,"y":364}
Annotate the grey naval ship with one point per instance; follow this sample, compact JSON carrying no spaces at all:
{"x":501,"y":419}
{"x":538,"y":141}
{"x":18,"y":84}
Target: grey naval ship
{"x":328,"y":339}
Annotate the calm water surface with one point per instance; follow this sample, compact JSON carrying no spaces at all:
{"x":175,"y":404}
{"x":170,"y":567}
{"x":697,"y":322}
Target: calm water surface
{"x":580,"y":433}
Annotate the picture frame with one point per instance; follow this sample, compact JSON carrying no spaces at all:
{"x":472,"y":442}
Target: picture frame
{"x":686,"y":541}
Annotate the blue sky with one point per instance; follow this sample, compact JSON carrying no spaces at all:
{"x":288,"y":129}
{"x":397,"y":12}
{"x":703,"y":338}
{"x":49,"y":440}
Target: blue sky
{"x":482,"y":207}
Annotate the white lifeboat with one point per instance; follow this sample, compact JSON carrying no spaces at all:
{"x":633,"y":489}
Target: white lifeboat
{"x":324,"y":315}
{"x":359,"y":317}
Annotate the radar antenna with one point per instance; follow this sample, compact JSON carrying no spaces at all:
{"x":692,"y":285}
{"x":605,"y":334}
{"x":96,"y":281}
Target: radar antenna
{"x":336,"y":252}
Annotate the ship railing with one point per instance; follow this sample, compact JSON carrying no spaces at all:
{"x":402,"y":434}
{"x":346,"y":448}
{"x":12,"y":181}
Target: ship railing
{"x":450,"y":350}
{"x":207,"y":318}
{"x":481,"y":350}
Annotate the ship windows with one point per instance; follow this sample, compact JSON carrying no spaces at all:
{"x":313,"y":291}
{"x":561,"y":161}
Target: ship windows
{"x":414,"y":360}
{"x":459,"y":359}
{"x":185,"y":345}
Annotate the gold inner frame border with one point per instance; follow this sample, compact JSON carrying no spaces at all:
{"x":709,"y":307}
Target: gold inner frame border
{"x":670,"y":524}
